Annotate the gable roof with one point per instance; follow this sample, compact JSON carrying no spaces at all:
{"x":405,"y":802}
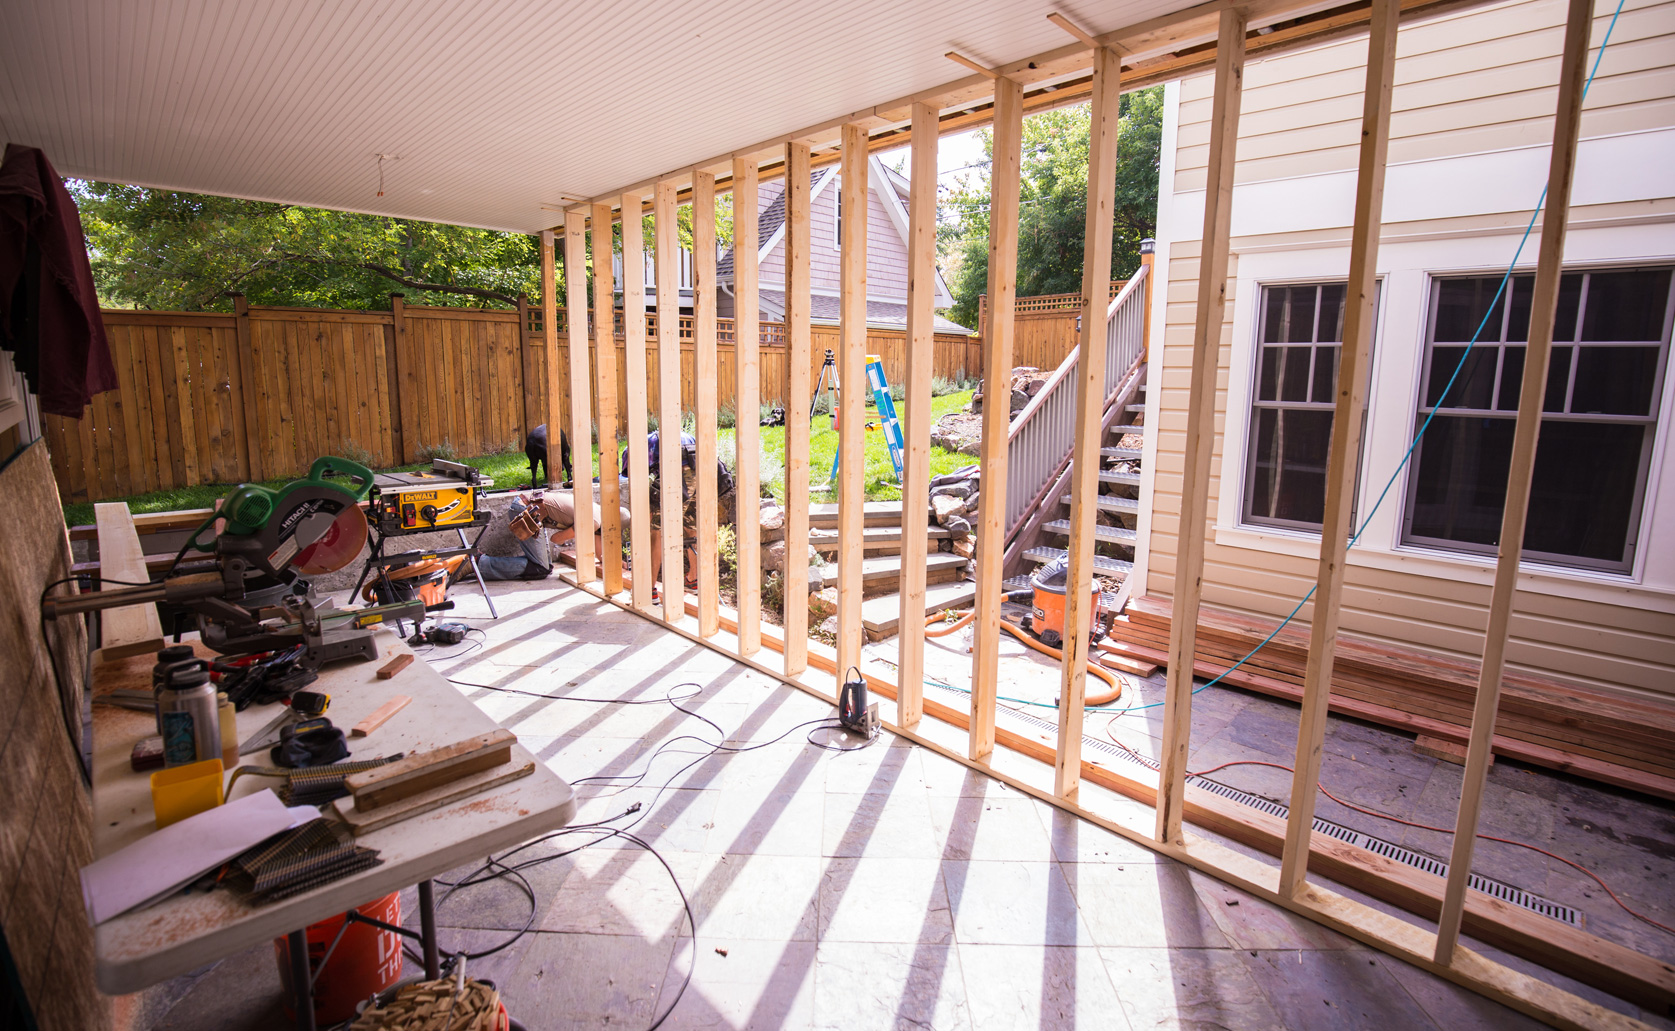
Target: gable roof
{"x":770,"y":223}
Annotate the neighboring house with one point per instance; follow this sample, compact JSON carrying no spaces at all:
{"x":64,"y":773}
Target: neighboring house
{"x":886,"y":254}
{"x":1474,"y":100}
{"x":886,"y":251}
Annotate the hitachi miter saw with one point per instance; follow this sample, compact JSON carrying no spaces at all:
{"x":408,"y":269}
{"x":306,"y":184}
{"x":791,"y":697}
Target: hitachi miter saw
{"x":266,"y":540}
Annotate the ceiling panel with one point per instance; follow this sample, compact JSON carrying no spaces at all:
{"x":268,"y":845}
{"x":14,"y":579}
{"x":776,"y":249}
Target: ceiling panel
{"x":491,"y":108}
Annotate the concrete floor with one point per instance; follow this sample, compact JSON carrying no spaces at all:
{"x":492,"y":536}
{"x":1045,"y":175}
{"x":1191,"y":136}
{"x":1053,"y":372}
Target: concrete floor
{"x":886,"y":887}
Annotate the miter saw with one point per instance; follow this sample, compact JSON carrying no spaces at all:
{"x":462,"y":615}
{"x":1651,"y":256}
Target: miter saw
{"x":253,"y":600}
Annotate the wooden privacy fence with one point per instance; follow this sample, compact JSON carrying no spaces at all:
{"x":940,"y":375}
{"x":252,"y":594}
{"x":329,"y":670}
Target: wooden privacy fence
{"x":260,"y":393}
{"x":1044,"y":326}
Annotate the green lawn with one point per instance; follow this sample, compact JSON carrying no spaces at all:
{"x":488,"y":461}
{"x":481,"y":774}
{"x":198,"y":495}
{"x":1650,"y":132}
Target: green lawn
{"x":512,"y":468}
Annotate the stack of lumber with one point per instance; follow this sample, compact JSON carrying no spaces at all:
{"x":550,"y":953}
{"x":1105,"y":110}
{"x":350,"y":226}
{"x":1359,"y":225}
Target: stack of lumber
{"x":1542,"y":721}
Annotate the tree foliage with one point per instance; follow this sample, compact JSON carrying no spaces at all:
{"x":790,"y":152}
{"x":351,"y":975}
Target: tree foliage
{"x":1053,"y":203}
{"x":167,"y":250}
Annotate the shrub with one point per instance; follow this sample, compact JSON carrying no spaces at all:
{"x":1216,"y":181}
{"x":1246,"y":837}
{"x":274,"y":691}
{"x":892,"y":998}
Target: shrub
{"x":445,"y":451}
{"x":355,"y":453}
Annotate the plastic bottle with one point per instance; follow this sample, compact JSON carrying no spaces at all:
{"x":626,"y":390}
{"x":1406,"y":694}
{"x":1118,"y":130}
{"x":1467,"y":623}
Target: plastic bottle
{"x":191,"y":726}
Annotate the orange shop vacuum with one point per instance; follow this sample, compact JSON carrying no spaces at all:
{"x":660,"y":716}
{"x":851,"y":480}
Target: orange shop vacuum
{"x":1049,"y":586}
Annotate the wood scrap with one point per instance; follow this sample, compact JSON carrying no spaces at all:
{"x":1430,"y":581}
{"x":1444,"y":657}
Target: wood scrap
{"x":395,"y":665}
{"x":364,"y":822}
{"x":434,"y":1006}
{"x":426,"y":770}
{"x":1444,"y":749}
{"x":382,"y":714}
{"x":131,"y":629}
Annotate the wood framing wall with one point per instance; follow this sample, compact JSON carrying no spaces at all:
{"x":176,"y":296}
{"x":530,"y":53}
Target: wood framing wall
{"x":1054,"y":770}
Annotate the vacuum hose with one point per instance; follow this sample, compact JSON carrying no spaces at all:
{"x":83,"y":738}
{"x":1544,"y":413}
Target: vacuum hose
{"x":1104,"y":698}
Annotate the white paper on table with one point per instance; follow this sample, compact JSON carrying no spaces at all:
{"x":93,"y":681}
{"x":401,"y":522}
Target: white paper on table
{"x":167,"y":860}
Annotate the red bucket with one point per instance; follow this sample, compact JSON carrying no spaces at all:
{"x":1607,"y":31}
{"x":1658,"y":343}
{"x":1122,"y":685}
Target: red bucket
{"x":365,"y":962}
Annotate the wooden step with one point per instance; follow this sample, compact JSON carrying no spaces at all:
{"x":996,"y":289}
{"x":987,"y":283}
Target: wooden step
{"x":882,"y":573}
{"x":1112,"y":503}
{"x":873,"y":513}
{"x":878,"y":540}
{"x":1102,"y":564}
{"x":1110,"y":534}
{"x":881,"y":616}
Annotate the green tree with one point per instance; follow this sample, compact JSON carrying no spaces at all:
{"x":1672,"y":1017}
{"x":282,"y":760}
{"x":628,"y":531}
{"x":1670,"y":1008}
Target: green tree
{"x":1053,"y":203}
{"x":169,"y":250}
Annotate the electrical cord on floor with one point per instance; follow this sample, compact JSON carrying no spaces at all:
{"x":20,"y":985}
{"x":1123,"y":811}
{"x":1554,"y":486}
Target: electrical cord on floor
{"x":1152,"y":764}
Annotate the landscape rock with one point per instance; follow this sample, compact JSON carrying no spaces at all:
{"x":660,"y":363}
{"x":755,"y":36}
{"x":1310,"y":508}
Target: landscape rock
{"x":822,"y":603}
{"x":830,"y":626}
{"x":957,"y":525}
{"x":958,"y":432}
{"x":1020,"y":401}
{"x":945,"y":505}
{"x":965,"y":547}
{"x":964,"y":473}
{"x":958,"y":489}
{"x":772,"y":523}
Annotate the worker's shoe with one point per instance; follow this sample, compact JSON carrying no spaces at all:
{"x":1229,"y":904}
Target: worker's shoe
{"x":534,"y":571}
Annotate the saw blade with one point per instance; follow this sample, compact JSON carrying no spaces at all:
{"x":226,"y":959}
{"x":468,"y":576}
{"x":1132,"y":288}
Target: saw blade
{"x":337,"y":547}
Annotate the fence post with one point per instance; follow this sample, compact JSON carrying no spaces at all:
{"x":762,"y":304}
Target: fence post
{"x":246,"y":357}
{"x":404,"y":420}
{"x":1147,"y":246}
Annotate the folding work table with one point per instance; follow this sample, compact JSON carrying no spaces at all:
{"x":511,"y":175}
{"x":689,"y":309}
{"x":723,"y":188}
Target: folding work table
{"x":147,"y":946}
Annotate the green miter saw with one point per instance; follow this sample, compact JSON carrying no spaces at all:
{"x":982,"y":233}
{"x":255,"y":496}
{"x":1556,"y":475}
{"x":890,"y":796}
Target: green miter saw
{"x":269,"y":538}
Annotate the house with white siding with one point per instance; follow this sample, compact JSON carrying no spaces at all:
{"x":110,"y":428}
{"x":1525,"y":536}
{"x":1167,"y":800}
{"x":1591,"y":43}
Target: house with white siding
{"x":1469,"y":150}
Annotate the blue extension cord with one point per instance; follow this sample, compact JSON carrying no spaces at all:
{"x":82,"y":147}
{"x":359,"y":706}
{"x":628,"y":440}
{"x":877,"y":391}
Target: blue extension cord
{"x":1407,"y":456}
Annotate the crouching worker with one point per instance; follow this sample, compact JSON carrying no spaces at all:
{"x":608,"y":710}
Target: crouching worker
{"x":556,"y":510}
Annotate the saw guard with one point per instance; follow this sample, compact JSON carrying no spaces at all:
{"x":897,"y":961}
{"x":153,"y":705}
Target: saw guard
{"x":337,"y":547}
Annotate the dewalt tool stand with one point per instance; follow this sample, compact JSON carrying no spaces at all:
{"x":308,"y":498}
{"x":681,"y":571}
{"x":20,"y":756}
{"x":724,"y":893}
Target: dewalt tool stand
{"x":441,"y":499}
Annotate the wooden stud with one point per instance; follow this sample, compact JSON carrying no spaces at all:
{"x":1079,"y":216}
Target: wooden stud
{"x":1090,"y":411}
{"x":852,"y":395}
{"x":581,"y":404}
{"x":921,"y":358}
{"x":960,"y":59}
{"x":1561,"y":174}
{"x":604,"y":353}
{"x":997,"y":378}
{"x":639,"y":454}
{"x":799,"y":345}
{"x":704,"y":372}
{"x":553,"y":414}
{"x":747,"y":343}
{"x":1343,"y":456}
{"x":1200,"y":433}
{"x":668,"y":398}
{"x":1080,"y":33}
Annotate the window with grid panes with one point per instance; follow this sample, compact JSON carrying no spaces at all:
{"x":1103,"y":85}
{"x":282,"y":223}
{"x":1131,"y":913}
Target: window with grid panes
{"x":1299,"y":340}
{"x":1610,"y":347}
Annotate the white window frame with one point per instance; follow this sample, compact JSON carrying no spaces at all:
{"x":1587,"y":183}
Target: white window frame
{"x":1643,"y":488}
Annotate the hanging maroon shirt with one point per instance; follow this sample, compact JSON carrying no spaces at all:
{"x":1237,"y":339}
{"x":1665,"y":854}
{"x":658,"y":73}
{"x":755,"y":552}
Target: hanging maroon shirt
{"x":49,"y":310}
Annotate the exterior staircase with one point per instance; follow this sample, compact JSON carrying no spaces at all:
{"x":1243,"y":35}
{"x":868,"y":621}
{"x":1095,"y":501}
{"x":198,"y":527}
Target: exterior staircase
{"x":1040,"y":450}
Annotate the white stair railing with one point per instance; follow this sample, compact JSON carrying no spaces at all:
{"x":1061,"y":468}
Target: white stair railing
{"x":1040,"y":438}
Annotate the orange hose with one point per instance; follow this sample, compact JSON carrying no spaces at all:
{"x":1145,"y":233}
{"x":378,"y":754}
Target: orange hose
{"x":1093,"y":667}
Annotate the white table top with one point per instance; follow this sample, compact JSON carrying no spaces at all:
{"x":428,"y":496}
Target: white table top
{"x":146,"y":946}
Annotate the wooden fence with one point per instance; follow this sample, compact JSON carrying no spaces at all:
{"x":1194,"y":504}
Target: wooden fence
{"x":260,"y":393}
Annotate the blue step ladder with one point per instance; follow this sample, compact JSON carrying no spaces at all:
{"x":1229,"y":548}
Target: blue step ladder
{"x":886,"y":416}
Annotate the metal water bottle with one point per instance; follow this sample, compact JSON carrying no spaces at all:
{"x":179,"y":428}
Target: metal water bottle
{"x":191,"y":722}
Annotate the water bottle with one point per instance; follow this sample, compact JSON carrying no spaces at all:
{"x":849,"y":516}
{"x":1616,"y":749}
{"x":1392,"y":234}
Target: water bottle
{"x":191,"y":722}
{"x":168,"y":659}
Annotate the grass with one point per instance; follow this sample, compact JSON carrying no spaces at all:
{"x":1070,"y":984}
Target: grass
{"x":511,"y":467}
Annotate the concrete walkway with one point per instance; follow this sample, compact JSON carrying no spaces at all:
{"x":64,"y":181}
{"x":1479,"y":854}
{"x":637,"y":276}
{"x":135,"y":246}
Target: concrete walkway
{"x":886,"y":887}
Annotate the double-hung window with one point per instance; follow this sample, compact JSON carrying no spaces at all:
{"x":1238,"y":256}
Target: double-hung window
{"x":1610,"y":348}
{"x":1299,"y":339}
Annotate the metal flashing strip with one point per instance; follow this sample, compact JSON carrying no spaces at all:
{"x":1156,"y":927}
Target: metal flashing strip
{"x":1418,"y":860}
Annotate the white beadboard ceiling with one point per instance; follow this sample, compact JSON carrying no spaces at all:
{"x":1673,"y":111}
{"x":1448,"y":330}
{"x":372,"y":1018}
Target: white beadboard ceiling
{"x":495,"y":110}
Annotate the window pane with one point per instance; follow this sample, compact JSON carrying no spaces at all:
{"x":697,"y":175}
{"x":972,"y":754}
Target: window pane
{"x":1299,"y":328}
{"x":1461,"y":479}
{"x":1331,"y":313}
{"x":1615,"y":380}
{"x":1325,"y":374}
{"x":1521,"y":291}
{"x":1475,"y":386}
{"x":1512,"y":379}
{"x":1582,"y":492}
{"x":1570,"y":296}
{"x":1288,"y":476}
{"x":1273,"y":316}
{"x":1293,"y":371}
{"x":1460,"y":307}
{"x":1273,"y":358}
{"x":1626,"y":305}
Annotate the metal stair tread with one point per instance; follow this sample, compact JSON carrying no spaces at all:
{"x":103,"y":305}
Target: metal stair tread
{"x":1119,"y":478}
{"x":1137,"y":429}
{"x":1112,"y":503}
{"x":1101,"y":563}
{"x":1126,"y":453}
{"x":1112,"y":534}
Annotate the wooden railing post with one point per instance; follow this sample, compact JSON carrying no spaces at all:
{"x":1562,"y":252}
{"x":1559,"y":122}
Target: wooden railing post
{"x":1148,"y":256}
{"x":248,"y":373}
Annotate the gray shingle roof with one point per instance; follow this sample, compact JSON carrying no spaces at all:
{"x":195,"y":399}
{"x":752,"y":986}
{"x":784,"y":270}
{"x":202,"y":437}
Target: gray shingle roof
{"x":767,"y":224}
